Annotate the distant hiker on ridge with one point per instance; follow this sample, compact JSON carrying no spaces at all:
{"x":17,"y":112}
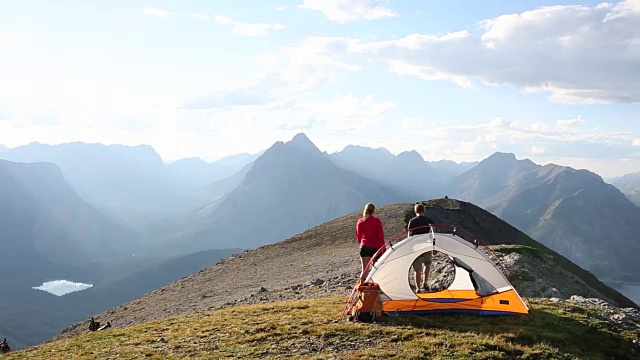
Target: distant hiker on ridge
{"x":420,"y":225}
{"x":93,"y":325}
{"x":369,"y":234}
{"x":4,"y":347}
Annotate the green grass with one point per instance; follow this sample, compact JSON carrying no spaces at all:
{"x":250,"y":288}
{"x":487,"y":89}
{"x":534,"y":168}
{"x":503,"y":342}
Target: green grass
{"x":312,"y":329}
{"x":519,"y":249}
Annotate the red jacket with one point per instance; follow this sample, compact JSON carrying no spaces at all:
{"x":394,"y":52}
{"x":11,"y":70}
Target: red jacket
{"x":369,"y":232}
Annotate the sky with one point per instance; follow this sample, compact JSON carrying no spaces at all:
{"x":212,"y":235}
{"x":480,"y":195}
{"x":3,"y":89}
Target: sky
{"x":552,"y":81}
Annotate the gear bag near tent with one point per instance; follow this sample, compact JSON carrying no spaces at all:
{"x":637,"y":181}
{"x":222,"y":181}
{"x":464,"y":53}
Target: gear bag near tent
{"x":367,"y":307}
{"x":478,"y":286}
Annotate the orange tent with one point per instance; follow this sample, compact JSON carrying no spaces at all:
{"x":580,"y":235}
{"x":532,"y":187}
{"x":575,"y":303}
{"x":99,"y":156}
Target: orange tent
{"x":478,"y":285}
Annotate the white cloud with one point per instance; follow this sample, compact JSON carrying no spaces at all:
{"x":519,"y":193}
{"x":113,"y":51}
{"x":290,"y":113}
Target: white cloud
{"x":553,"y":142}
{"x":539,"y":127}
{"x":622,"y":9}
{"x":568,"y":124}
{"x":304,"y":70}
{"x":282,"y":8}
{"x":426,"y":73}
{"x":332,"y":120}
{"x":502,"y":123}
{"x":248,"y":29}
{"x":350,"y":107}
{"x":344,"y":11}
{"x":153,"y":11}
{"x":536,"y":150}
{"x":578,"y":96}
{"x":636,"y":142}
{"x":570,"y":52}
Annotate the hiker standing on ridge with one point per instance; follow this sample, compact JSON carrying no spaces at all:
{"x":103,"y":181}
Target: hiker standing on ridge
{"x":369,"y":234}
{"x":420,"y":225}
{"x":4,"y":347}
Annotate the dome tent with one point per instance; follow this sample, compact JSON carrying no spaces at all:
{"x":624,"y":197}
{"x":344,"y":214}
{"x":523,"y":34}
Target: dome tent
{"x":478,"y":285}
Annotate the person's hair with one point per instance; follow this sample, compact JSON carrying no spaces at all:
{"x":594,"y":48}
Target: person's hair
{"x":419,"y":209}
{"x":368,"y":210}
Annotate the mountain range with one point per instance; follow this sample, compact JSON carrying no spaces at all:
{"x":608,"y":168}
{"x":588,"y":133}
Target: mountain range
{"x":43,"y":218}
{"x":407,"y":173}
{"x":94,"y":204}
{"x":197,"y":173}
{"x":630,"y":186}
{"x":114,"y":177}
{"x":572,"y":211}
{"x":291,"y":187}
{"x":130,"y":181}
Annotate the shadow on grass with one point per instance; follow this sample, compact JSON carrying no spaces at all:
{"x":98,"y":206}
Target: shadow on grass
{"x":572,"y":330}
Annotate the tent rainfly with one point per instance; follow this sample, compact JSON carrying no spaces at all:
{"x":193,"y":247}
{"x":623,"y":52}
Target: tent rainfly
{"x":478,"y":285}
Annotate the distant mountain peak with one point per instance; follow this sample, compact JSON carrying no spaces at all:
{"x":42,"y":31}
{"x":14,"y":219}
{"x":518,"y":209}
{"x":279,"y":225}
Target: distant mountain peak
{"x":299,"y":149}
{"x":301,"y":142}
{"x":300,"y":138}
{"x":502,"y":156}
{"x":507,"y":159}
{"x":366,"y":150}
{"x":411,"y":155}
{"x":190,"y":160}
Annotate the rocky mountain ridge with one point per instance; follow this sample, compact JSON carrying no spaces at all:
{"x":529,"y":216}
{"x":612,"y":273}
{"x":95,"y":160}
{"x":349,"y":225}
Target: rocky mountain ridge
{"x":574,"y":212}
{"x":323,"y":261}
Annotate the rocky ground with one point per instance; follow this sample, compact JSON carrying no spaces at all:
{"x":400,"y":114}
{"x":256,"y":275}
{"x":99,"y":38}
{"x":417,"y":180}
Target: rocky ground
{"x":622,"y":318}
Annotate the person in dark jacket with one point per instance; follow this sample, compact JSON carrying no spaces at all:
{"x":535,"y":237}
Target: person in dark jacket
{"x":369,"y":234}
{"x":420,"y":225}
{"x":4,"y":347}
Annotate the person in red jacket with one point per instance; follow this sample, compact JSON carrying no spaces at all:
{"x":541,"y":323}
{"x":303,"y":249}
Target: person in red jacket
{"x":369,"y":234}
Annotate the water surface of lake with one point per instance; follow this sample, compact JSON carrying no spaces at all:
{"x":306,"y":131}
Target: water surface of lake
{"x":62,"y":287}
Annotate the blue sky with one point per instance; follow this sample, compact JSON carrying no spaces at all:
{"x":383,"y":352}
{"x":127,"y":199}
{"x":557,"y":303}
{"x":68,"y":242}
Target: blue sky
{"x":553,"y":81}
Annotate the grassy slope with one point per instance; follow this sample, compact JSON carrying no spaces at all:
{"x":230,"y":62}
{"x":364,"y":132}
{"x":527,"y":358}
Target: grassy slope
{"x":311,"y":329}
